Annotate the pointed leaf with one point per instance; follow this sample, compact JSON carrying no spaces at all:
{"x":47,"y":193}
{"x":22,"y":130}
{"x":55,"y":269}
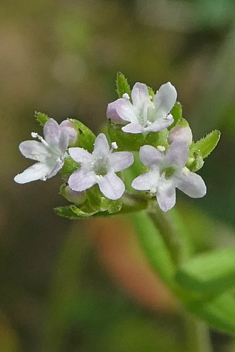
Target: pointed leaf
{"x":86,"y":137}
{"x":218,"y":313}
{"x":207,"y":144}
{"x":122,"y":85}
{"x":41,"y":118}
{"x":210,"y":273}
{"x":177,"y":113}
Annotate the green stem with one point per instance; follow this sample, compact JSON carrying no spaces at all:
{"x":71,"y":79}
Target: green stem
{"x":172,"y":251}
{"x":197,"y":335}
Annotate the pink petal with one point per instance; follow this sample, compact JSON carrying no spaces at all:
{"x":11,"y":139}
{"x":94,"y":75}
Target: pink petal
{"x":139,"y":94}
{"x":111,"y":186}
{"x":51,"y":132}
{"x":81,"y":180}
{"x":166,"y":194}
{"x":120,"y":161}
{"x":192,"y":185}
{"x":177,"y":154}
{"x":133,"y":128}
{"x":146,"y":181}
{"x":126,"y":110}
{"x":101,"y":146}
{"x":160,"y":124}
{"x":150,"y":156}
{"x":112,"y":113}
{"x":165,"y":99}
{"x":80,"y":155}
{"x":38,"y":171}
{"x":34,"y":150}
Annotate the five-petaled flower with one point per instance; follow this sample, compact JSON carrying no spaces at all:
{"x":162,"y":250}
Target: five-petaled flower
{"x":49,"y":153}
{"x":143,"y":114}
{"x":100,"y":167}
{"x":168,"y":172}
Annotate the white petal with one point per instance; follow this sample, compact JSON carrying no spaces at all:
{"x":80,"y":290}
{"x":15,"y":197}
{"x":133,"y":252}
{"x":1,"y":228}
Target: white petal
{"x":63,"y":141}
{"x":126,"y":110}
{"x":112,"y":113}
{"x":51,"y":132}
{"x":160,"y":124}
{"x":54,"y":166}
{"x":150,"y":156}
{"x":146,"y":181}
{"x":80,"y":155}
{"x":120,"y":161}
{"x":177,"y":154}
{"x":165,"y":99}
{"x":140,"y":94}
{"x":34,"y":150}
{"x":38,"y":171}
{"x":81,"y":180}
{"x":101,"y":147}
{"x":111,"y":186}
{"x":166,"y":194}
{"x":192,"y":185}
{"x":133,"y":128}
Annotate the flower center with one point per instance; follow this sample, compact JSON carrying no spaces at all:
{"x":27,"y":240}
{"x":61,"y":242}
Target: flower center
{"x":101,"y":166}
{"x":169,"y":172}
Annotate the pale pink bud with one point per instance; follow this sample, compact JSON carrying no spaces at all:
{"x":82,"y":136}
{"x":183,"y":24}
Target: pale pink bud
{"x":180,"y":134}
{"x":74,"y":196}
{"x":72,"y":131}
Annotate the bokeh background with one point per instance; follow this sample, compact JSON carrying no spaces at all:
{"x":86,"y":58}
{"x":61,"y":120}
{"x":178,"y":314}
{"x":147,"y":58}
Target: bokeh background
{"x":85,"y":286}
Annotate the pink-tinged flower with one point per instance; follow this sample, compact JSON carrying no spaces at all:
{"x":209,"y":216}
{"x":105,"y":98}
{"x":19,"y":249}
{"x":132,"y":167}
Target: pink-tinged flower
{"x":144,"y":115}
{"x":180,"y":134}
{"x":49,"y":153}
{"x":100,"y":167}
{"x":72,"y":131}
{"x":168,"y":172}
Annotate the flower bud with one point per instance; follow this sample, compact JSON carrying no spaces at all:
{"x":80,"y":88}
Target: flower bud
{"x":72,"y":131}
{"x":180,"y":134}
{"x":73,"y":196}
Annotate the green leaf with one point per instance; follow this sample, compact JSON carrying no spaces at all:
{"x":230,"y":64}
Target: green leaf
{"x":69,"y":167}
{"x":86,"y":138}
{"x":72,"y":212}
{"x":207,"y":144}
{"x":125,"y":141}
{"x":154,"y":247}
{"x":122,"y":85}
{"x":218,"y":313}
{"x":41,"y":118}
{"x":177,"y":113}
{"x":151,"y":92}
{"x":212,"y":273}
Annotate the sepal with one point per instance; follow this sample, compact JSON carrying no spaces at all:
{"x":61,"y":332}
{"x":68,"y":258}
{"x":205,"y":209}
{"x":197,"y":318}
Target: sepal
{"x":41,"y":117}
{"x":122,"y":85}
{"x":86,"y":137}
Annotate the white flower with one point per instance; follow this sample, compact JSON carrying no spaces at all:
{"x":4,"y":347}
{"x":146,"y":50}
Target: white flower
{"x":49,"y":153}
{"x":180,"y":134}
{"x":168,"y":172}
{"x":100,"y":167}
{"x":144,"y":115}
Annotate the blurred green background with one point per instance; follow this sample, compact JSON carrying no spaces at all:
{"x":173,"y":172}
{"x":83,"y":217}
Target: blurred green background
{"x":68,"y":286}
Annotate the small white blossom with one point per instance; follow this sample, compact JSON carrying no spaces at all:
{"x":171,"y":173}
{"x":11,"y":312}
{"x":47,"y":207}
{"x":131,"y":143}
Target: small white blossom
{"x":49,"y":153}
{"x":144,"y":115}
{"x":100,"y":167}
{"x":168,"y":172}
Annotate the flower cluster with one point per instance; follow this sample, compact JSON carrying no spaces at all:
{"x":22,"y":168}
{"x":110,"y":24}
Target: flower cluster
{"x":168,"y":154}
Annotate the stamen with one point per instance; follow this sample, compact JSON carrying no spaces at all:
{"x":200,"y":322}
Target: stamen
{"x":185,"y":171}
{"x":161,"y":148}
{"x":126,"y":96}
{"x":114,"y":145}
